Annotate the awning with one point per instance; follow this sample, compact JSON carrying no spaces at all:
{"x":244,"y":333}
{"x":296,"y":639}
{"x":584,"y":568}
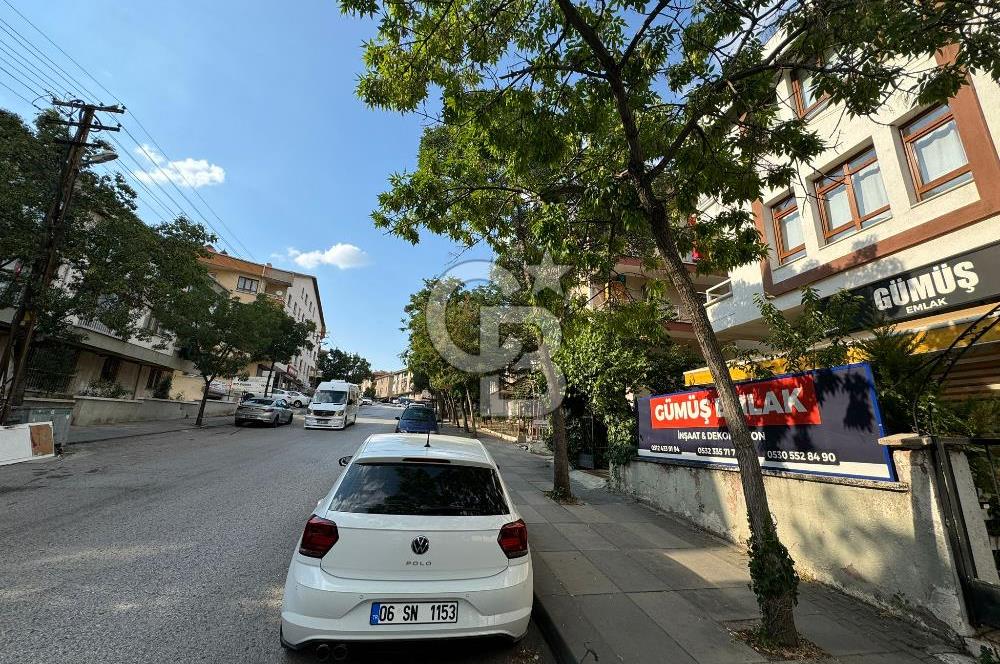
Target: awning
{"x":978,"y":371}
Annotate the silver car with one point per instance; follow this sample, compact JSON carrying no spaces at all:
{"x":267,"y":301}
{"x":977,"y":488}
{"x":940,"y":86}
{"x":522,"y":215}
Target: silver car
{"x":264,"y":410}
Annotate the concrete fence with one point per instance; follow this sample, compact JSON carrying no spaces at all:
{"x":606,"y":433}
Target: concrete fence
{"x":884,"y":542}
{"x":100,"y":410}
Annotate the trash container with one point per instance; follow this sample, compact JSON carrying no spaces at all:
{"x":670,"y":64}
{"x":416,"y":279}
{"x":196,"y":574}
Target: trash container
{"x":58,"y":416}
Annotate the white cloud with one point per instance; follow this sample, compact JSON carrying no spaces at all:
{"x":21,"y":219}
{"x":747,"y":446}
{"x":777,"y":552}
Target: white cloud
{"x":184,"y":172}
{"x":344,"y":256}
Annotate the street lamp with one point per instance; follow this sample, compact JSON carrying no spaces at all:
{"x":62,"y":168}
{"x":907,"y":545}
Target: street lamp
{"x":100,"y":158}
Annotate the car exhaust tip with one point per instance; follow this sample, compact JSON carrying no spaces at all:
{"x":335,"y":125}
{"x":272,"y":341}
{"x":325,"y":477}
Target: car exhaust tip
{"x":323,"y":653}
{"x":340,"y":652}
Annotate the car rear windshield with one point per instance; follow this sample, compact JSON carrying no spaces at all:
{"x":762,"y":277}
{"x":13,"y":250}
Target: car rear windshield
{"x":419,"y":415}
{"x":260,"y":402}
{"x":432,"y":489}
{"x":330,"y":396}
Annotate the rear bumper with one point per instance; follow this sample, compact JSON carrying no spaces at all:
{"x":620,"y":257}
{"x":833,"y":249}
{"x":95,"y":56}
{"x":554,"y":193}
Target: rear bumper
{"x":318,"y":607}
{"x":254,"y":417}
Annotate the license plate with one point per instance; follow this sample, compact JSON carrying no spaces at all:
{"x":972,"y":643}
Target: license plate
{"x":413,"y":613}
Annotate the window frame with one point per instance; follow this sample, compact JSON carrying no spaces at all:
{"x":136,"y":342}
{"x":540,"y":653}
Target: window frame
{"x":790,"y":254}
{"x":919,"y":187}
{"x":241,"y":280}
{"x":803,"y":111}
{"x":845,"y":178}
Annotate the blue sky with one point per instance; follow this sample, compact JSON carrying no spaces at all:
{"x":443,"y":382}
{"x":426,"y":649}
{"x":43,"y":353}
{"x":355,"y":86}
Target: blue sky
{"x":263,"y":91}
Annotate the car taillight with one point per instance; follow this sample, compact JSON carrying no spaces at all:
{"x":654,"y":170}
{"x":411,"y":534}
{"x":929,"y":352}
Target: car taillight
{"x":318,"y":537}
{"x":513,"y":539}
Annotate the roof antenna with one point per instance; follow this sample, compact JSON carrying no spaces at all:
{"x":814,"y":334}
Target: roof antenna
{"x":428,"y":439}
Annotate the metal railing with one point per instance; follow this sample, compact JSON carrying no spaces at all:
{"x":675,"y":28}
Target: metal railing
{"x":718,"y":292}
{"x":96,"y":326}
{"x":48,"y":382}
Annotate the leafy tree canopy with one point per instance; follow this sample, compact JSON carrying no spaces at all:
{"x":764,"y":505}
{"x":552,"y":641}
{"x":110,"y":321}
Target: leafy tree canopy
{"x":115,"y":268}
{"x":336,"y":364}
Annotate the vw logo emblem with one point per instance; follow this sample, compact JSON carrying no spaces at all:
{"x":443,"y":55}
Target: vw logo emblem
{"x":420,"y":545}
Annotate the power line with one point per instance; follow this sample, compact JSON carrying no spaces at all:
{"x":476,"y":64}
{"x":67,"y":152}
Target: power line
{"x":40,"y":79}
{"x":67,"y":55}
{"x":29,"y":47}
{"x":66,"y":76}
{"x":14,"y":92}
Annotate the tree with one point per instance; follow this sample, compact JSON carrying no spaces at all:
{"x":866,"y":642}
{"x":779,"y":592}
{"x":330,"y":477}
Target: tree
{"x":220,"y":335}
{"x":335,"y":364}
{"x":113,"y":269}
{"x":655,"y":107}
{"x":817,"y":336}
{"x":288,"y":338}
{"x":620,"y":350}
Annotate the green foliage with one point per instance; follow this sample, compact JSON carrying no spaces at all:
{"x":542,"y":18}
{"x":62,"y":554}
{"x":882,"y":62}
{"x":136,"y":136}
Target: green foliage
{"x":116,"y":268}
{"x":772,"y":572}
{"x":221,"y":335}
{"x":609,"y":353}
{"x":162,"y":389}
{"x":816,"y":335}
{"x":369,"y":392}
{"x":335,"y":364}
{"x":107,"y":389}
{"x":988,"y":655}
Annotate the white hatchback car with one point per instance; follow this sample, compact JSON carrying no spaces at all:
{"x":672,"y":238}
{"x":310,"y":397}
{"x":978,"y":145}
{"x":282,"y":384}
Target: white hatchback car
{"x":417,"y":539}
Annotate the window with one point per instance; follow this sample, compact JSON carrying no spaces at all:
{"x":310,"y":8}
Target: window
{"x":851,"y":197}
{"x":153,"y":379}
{"x":788,"y":237}
{"x":109,"y":370}
{"x":935,"y":153}
{"x":433,"y":489}
{"x":807,"y":102}
{"x":247,"y":285}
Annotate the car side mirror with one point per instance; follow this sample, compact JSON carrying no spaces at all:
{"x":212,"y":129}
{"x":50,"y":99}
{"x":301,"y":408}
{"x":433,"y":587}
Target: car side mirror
{"x":344,"y":460}
{"x":397,"y":417}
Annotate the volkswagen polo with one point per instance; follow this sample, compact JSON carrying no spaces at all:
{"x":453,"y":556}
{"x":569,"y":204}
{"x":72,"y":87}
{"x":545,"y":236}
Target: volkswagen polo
{"x":417,"y":539}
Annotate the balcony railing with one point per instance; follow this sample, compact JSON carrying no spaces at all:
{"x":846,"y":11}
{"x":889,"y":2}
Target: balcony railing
{"x":97,"y":326}
{"x":718,"y":292}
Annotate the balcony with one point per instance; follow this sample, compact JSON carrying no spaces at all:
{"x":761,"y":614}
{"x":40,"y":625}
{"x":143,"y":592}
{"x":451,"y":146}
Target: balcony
{"x":97,"y":326}
{"x":718,"y":292}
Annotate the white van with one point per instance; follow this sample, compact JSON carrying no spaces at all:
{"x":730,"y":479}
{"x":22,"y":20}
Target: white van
{"x":334,"y":405}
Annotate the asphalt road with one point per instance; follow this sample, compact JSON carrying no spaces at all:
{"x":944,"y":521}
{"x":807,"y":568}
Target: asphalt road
{"x":174,"y":548}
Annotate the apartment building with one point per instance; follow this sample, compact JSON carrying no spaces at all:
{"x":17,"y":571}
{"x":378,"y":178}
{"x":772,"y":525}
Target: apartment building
{"x":393,"y":384}
{"x":903,"y":209}
{"x":297,"y":293}
{"x":630,"y":281}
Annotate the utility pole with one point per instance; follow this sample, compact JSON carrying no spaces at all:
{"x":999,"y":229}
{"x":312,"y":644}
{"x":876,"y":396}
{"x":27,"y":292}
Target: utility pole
{"x":43,"y":269}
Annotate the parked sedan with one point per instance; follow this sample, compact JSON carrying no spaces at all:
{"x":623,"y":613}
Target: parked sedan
{"x":417,"y":419}
{"x":418,"y":539}
{"x":296,"y":399}
{"x":264,"y":410}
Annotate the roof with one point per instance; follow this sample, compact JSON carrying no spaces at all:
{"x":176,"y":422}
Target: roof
{"x":396,"y":446}
{"x":226,"y":261}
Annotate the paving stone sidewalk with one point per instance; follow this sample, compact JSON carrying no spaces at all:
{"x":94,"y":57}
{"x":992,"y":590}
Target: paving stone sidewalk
{"x":634,"y":585}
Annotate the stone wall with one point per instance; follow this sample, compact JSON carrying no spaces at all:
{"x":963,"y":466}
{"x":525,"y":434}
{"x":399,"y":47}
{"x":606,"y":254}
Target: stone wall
{"x":99,"y":410}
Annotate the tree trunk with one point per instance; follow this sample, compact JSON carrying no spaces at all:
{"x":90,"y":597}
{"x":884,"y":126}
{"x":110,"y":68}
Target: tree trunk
{"x":560,"y":455}
{"x":201,"y":407}
{"x":270,"y":375}
{"x":772,"y":568}
{"x":465,"y":416}
{"x":472,"y":412}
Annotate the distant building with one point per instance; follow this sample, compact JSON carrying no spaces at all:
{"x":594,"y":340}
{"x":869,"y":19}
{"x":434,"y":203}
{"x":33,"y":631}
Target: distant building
{"x":298,"y":294}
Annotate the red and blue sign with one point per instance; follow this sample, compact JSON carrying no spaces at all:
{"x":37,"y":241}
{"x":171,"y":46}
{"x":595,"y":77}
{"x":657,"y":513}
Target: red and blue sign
{"x":823,"y":422}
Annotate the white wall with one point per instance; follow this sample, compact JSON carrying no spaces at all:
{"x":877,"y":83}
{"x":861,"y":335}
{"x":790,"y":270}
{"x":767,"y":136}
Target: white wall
{"x":845,"y":136}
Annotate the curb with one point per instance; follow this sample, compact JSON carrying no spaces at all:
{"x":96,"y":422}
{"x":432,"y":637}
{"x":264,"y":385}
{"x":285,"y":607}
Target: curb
{"x":145,"y":433}
{"x":553,"y":637}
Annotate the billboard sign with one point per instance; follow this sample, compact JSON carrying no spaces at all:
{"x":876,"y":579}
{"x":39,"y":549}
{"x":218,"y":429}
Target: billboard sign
{"x":963,"y":280}
{"x":823,"y":422}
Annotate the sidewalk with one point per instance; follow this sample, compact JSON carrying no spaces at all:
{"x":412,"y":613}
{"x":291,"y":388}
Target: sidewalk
{"x":636,"y":586}
{"x":94,"y":433}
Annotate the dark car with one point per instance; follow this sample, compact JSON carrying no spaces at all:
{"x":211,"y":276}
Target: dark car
{"x":417,"y":419}
{"x":264,"y":410}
